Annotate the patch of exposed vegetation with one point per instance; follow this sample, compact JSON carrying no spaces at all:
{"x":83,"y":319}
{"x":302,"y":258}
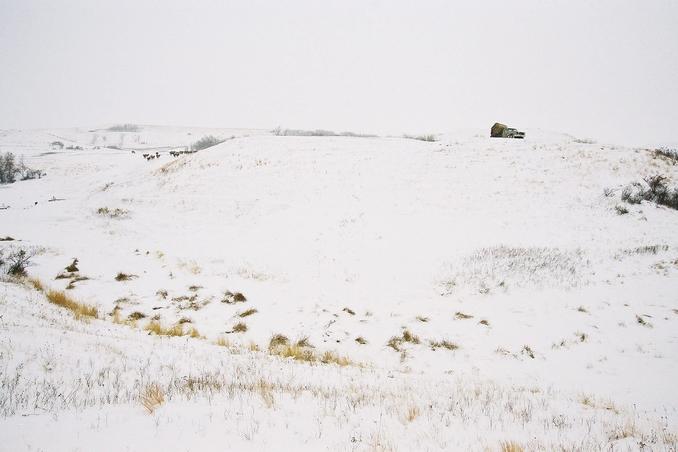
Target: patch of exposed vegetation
{"x":124,"y":128}
{"x":427,"y":137}
{"x":446,"y":344}
{"x":247,"y":313}
{"x":654,"y":189}
{"x":232,"y":298}
{"x":240,"y":327}
{"x":395,"y":342}
{"x":206,"y":142}
{"x":112,"y":213}
{"x":79,"y":310}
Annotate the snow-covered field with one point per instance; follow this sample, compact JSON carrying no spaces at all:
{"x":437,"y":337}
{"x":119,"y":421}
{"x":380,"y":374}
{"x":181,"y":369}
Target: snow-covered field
{"x":485,"y":292}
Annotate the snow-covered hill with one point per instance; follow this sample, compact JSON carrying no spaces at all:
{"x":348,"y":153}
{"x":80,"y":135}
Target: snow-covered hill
{"x":485,"y":291}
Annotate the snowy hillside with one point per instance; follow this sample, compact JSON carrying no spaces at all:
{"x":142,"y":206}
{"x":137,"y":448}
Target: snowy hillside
{"x":465,"y":294}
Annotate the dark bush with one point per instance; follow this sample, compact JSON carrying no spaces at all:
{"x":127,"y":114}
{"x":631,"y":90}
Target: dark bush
{"x":206,"y":142}
{"x":124,"y":128}
{"x":9,"y":169}
{"x":17,"y":261}
{"x":670,"y":155}
{"x":655,"y":190}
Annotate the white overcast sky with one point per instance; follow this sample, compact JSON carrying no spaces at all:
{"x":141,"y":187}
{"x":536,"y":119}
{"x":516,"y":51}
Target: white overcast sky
{"x":605,"y":69}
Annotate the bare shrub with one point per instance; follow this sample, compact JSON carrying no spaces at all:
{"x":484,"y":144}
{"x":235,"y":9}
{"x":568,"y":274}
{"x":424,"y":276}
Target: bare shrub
{"x":17,"y":261}
{"x":124,"y":128}
{"x":654,"y":190}
{"x":428,"y":137}
{"x":206,"y":142}
{"x":621,"y":210}
{"x":667,"y":154}
{"x":317,"y":133}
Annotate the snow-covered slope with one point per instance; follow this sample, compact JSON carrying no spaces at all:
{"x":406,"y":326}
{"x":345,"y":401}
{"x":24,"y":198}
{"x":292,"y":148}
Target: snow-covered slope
{"x":511,"y":250}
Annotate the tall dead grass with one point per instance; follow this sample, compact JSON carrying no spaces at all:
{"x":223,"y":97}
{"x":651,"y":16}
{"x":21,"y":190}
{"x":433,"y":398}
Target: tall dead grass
{"x":79,"y":310}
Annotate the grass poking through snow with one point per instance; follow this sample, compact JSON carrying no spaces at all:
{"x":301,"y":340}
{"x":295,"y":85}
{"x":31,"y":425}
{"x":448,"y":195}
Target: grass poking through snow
{"x":80,"y":310}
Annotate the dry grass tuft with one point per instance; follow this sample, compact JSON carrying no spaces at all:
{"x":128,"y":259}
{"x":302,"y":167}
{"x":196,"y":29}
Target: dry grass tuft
{"x":511,"y":446}
{"x":527,"y":350}
{"x":295,"y":352}
{"x":461,"y":316}
{"x":412,"y":413}
{"x":410,"y":337}
{"x":136,"y":315}
{"x":303,"y":342}
{"x":231,"y":298}
{"x":265,"y":390}
{"x":330,"y":357}
{"x":423,"y":319}
{"x":361,"y":340}
{"x":484,"y":322}
{"x":124,"y":276}
{"x":302,"y":350}
{"x":582,"y":309}
{"x":73,"y":267}
{"x":248,"y":313}
{"x":222,"y":342}
{"x":278,"y":340}
{"x":194,"y":333}
{"x":154,"y":327}
{"x":37,"y":284}
{"x":80,"y":310}
{"x":349,"y":311}
{"x":152,"y":397}
{"x":395,"y":343}
{"x":449,"y":345}
{"x":253,"y":347}
{"x":641,"y":321}
{"x":112,"y":213}
{"x":240,"y":327}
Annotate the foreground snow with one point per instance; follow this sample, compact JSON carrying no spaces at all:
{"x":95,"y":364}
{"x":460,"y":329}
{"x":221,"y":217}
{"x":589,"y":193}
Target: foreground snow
{"x":507,"y":249}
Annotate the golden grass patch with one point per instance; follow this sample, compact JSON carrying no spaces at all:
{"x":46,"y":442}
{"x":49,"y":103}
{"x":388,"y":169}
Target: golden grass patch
{"x":152,"y":397}
{"x":155,"y":327}
{"x":80,"y":310}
